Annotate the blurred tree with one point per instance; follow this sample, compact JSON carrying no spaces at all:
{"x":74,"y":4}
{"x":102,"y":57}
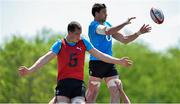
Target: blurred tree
{"x":154,"y":77}
{"x":32,"y":88}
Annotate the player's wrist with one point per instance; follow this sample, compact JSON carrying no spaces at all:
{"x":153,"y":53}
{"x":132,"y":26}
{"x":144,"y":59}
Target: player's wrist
{"x":126,"y":23}
{"x":31,"y":69}
{"x":138,"y":33}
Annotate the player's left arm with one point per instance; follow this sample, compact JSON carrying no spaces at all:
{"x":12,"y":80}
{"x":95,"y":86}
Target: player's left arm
{"x":104,"y":30}
{"x":124,"y":61}
{"x":126,"y":39}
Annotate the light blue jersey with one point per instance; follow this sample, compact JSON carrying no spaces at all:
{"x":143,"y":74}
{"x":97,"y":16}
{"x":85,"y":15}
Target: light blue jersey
{"x":101,"y":42}
{"x":56,"y":47}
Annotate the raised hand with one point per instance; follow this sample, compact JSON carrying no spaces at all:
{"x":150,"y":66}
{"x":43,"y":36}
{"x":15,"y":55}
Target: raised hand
{"x":144,"y":29}
{"x":129,"y":20}
{"x":23,"y":71}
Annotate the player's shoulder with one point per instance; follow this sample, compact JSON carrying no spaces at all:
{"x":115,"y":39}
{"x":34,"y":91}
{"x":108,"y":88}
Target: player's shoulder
{"x":84,"y":39}
{"x":59,"y":41}
{"x":87,"y":43}
{"x":107,"y":23}
{"x":93,"y":23}
{"x":56,"y":46}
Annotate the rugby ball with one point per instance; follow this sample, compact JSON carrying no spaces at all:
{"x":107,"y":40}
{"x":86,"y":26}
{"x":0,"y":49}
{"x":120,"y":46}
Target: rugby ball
{"x":157,"y":15}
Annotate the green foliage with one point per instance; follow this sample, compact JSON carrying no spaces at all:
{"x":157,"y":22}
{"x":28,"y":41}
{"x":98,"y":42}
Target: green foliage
{"x":153,"y":78}
{"x":32,"y":88}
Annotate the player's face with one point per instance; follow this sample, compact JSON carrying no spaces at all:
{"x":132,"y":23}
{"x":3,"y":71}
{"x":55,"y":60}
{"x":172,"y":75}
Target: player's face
{"x":103,"y":15}
{"x":75,"y":36}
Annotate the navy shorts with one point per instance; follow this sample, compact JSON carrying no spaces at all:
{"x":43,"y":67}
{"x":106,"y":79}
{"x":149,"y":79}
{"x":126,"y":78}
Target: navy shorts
{"x":70,"y":88}
{"x":101,"y":69}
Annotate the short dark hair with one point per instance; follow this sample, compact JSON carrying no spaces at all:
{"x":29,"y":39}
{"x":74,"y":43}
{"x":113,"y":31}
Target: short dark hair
{"x":72,"y":26}
{"x":97,"y":7}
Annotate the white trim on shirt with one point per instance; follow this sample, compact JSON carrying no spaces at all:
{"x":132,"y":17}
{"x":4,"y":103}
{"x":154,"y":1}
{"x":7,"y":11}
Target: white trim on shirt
{"x":101,"y":29}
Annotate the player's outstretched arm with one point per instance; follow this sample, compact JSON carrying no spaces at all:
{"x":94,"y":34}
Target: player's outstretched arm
{"x":109,"y":59}
{"x":101,"y":29}
{"x":38,"y":64}
{"x":126,"y":39}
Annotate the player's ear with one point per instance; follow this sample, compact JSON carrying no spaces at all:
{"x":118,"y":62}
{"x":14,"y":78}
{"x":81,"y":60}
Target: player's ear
{"x":96,"y":13}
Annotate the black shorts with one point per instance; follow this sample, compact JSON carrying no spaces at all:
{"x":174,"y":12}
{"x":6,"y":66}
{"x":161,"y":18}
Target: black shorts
{"x":101,"y":69}
{"x":70,"y":88}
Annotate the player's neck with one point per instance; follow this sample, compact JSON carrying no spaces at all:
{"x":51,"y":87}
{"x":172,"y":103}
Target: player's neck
{"x":69,"y":40}
{"x":98,"y":20}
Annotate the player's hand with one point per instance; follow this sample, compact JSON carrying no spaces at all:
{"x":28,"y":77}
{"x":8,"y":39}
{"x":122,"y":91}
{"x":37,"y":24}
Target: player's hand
{"x":129,"y":20}
{"x":125,"y":62}
{"x":144,"y":29}
{"x":23,"y":71}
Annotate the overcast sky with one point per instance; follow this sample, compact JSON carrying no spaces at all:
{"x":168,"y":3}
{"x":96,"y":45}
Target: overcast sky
{"x":28,"y":16}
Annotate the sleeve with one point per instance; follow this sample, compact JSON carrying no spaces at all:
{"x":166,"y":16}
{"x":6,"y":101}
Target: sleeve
{"x":55,"y":48}
{"x":88,"y":45}
{"x":108,"y":24}
{"x":93,"y":27}
{"x":101,"y":29}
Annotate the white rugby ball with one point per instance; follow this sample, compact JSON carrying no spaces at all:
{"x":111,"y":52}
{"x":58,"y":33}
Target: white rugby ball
{"x":157,"y":15}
